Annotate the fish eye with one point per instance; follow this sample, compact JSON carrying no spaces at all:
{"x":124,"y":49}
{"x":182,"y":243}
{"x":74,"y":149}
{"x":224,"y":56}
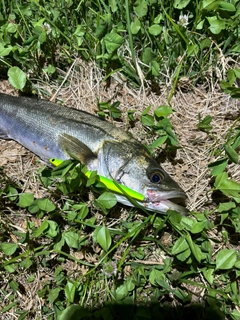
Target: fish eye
{"x":156,"y":176}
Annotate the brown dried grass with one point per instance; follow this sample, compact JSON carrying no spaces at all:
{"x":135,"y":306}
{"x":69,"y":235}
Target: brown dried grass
{"x":81,"y":88}
{"x":84,"y":84}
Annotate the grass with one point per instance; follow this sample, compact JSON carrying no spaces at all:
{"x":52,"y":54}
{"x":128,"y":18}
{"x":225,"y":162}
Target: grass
{"x":67,"y":255}
{"x":145,"y":41}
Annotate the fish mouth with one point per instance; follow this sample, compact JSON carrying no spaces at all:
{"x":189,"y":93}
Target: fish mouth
{"x":156,"y":196}
{"x":158,"y":199}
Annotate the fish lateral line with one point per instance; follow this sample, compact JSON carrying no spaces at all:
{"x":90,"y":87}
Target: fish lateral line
{"x":109,"y":184}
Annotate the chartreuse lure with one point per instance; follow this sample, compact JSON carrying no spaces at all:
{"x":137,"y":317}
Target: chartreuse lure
{"x":109,"y":184}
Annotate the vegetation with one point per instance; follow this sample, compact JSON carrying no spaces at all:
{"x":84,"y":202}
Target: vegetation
{"x":145,"y":40}
{"x":101,"y":265}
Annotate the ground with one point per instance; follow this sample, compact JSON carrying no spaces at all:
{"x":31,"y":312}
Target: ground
{"x":81,"y":88}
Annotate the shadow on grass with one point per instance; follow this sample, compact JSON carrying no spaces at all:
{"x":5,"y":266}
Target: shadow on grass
{"x":153,"y":311}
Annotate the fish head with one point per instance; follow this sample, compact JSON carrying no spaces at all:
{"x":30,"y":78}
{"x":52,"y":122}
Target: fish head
{"x":132,"y":165}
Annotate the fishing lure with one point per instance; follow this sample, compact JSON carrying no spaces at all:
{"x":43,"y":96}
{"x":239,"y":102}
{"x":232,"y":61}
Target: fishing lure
{"x":109,"y":184}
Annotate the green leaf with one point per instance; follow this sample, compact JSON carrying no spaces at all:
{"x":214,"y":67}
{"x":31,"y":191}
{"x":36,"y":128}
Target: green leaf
{"x":115,"y":112}
{"x":39,"y":231}
{"x":227,"y":6}
{"x":163,"y":111}
{"x":135,"y":26}
{"x":25,"y":200}
{"x":140,"y":8}
{"x":92,"y":179}
{"x":235,"y":315}
{"x":12,"y":193}
{"x":42,"y":37}
{"x":204,"y":125}
{"x":192,"y":50}
{"x":155,"y":67}
{"x":227,"y":186}
{"x":79,"y":33}
{"x":9,"y":307}
{"x":216,"y":25}
{"x":130,"y":284}
{"x":171,"y":136}
{"x":158,"y":142}
{"x":237,"y":264}
{"x":237,"y":72}
{"x":58,"y":246}
{"x":131,"y":115}
{"x":102,"y":29}
{"x":155,"y":29}
{"x":158,"y":18}
{"x":156,"y":276}
{"x":187,"y":223}
{"x":205,"y":43}
{"x":196,"y":251}
{"x":69,"y":291}
{"x":82,"y":210}
{"x":107,"y":200}
{"x":180,"y":245}
{"x":104,"y":238}
{"x":11,"y":28}
{"x":113,"y":5}
{"x":4,"y":51}
{"x":147,"y":120}
{"x":33,"y":208}
{"x":46,"y":205}
{"x":121,"y":292}
{"x":146,"y":110}
{"x":72,"y":239}
{"x":218,"y":166}
{"x":113,"y":41}
{"x":200,"y":25}
{"x":11,"y":267}
{"x":236,"y":142}
{"x":26,"y":263}
{"x":199,"y":226}
{"x":49,"y":227}
{"x":208,"y":275}
{"x":210,"y":4}
{"x":226,"y":259}
{"x":74,"y":312}
{"x":53,"y":294}
{"x":53,"y":229}
{"x":50,"y":69}
{"x":17,"y":78}
{"x":148,"y":56}
{"x":226,"y":206}
{"x":180,"y":4}
{"x":231,"y":76}
{"x":9,"y":248}
{"x":231,"y":153}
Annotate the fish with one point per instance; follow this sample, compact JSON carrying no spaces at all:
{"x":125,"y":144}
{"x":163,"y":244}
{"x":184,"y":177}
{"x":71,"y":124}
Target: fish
{"x":50,"y":130}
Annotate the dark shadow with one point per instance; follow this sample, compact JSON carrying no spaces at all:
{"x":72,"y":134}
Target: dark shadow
{"x":152,"y":311}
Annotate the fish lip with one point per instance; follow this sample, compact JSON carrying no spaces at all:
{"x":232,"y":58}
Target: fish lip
{"x":157,"y":198}
{"x":154,"y":195}
{"x":174,"y":206}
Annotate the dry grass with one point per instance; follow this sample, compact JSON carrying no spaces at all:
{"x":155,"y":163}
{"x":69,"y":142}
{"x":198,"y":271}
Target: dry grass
{"x":80,"y":89}
{"x":83,"y":85}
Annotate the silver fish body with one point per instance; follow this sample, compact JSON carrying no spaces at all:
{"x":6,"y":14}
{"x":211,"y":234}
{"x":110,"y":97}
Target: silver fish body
{"x":53,"y":131}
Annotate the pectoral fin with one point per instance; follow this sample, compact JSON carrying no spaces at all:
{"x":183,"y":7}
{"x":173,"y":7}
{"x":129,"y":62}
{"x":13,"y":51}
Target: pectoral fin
{"x":76,"y":149}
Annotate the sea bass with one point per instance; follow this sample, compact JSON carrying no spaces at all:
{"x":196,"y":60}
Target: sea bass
{"x":53,"y":131}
